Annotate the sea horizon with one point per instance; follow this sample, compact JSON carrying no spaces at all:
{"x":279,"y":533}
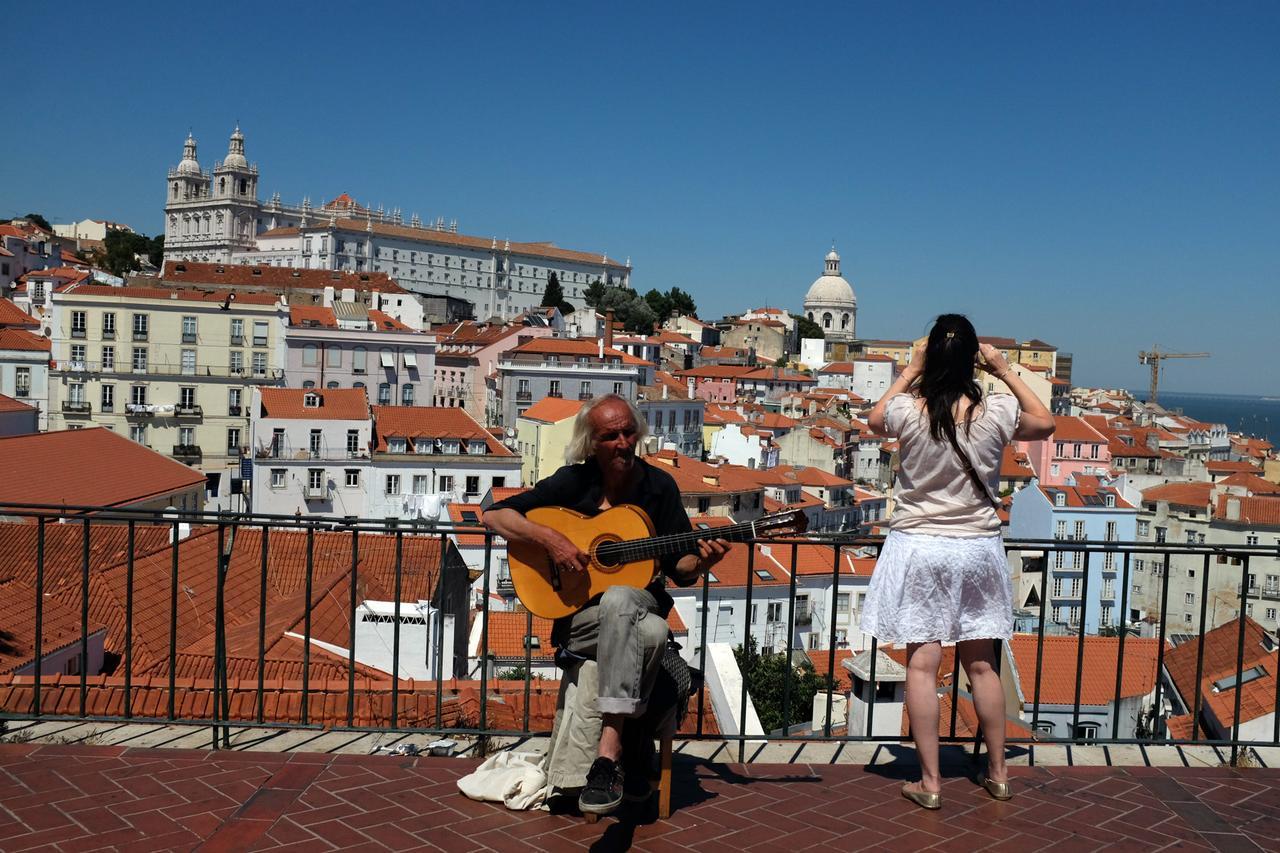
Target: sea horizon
{"x":1257,"y":415}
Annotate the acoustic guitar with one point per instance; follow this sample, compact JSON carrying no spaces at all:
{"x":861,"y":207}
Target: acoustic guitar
{"x":623,"y":549}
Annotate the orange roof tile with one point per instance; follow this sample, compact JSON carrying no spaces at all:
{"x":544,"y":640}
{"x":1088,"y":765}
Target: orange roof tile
{"x":467,"y":515}
{"x":410,"y":422}
{"x":1068,"y":428}
{"x":64,"y":553}
{"x":1261,"y":511}
{"x":574,"y":347}
{"x":89,"y":467}
{"x":1230,"y":467}
{"x":1251,"y":482}
{"x":1014,"y":465}
{"x":507,"y":636}
{"x":312,"y":315}
{"x":552,"y":410}
{"x":59,"y":625}
{"x":1257,"y":696}
{"x":1097,"y":685}
{"x":333,"y":404}
{"x":1180,"y":494}
{"x":23,"y":340}
{"x":8,"y":404}
{"x":181,"y":294}
{"x":275,"y":278}
{"x":12,"y":315}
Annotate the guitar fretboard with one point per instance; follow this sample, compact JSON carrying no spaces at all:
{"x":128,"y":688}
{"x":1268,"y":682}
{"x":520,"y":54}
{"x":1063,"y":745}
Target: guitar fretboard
{"x":653,"y":547}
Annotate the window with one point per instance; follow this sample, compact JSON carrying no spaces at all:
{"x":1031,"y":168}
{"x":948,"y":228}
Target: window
{"x":406,"y":394}
{"x":259,"y":333}
{"x":139,"y":359}
{"x":1079,"y":531}
{"x":108,"y":398}
{"x":187,"y":396}
{"x":277,"y":442}
{"x":109,"y":325}
{"x":189,"y":362}
{"x":140,"y":327}
{"x":446,"y":484}
{"x":78,"y":356}
{"x":704,"y":505}
{"x":237,"y":331}
{"x":554,"y":389}
{"x":353,"y":478}
{"x":186,"y":436}
{"x":424,"y":446}
{"x":237,"y":362}
{"x":1057,"y":587}
{"x":617,"y":388}
{"x":259,"y":364}
{"x":233,"y":440}
{"x":353,"y":442}
{"x":384,"y":394}
{"x":359,"y":360}
{"x":1251,"y":539}
{"x":397,"y":445}
{"x":419,"y":484}
{"x":1144,"y":528}
{"x":315,"y":479}
{"x":188,"y":330}
{"x":138,"y":432}
{"x":79,"y":322}
{"x":138,"y":395}
{"x":22,"y":382}
{"x":233,"y":401}
{"x":392,"y":486}
{"x":1074,"y":612}
{"x":1087,"y":732}
{"x":333,"y":356}
{"x":1271,"y":613}
{"x":108,"y":358}
{"x":310,"y":355}
{"x":473,"y":485}
{"x":76,"y":393}
{"x":1111,"y":531}
{"x":1160,"y":534}
{"x":584,"y":391}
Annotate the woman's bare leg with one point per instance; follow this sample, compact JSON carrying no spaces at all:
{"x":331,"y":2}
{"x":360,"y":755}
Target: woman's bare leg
{"x":979,"y":660}
{"x":922,"y":709}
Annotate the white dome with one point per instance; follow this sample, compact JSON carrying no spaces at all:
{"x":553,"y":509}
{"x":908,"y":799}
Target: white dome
{"x":830,"y":290}
{"x":235,"y":152}
{"x":189,"y":165}
{"x":832,"y":256}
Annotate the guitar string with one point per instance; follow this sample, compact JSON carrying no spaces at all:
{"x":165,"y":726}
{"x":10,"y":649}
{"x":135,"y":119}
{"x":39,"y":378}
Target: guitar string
{"x":671,"y":543}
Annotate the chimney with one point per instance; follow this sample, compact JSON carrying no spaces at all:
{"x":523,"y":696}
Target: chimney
{"x":608,"y":329}
{"x":1233,"y":509}
{"x":664,"y":390}
{"x":327,"y":301}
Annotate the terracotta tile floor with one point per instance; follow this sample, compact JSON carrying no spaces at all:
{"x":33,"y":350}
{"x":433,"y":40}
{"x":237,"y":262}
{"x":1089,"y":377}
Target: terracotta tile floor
{"x":68,"y":797}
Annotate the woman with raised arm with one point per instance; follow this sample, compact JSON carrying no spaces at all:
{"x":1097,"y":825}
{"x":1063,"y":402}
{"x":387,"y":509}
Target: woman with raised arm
{"x":942,"y":575}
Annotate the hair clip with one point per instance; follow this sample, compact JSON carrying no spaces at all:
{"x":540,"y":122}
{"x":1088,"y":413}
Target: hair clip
{"x":950,"y":335}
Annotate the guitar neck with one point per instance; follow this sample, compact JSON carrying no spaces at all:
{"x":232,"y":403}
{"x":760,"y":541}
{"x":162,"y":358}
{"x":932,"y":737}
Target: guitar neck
{"x":676,"y":543}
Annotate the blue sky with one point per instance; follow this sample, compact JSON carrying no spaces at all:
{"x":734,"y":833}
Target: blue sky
{"x":1101,"y":176}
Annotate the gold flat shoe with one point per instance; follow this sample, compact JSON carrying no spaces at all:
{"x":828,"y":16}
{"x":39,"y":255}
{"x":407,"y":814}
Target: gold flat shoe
{"x":997,"y":790}
{"x":923,"y":799}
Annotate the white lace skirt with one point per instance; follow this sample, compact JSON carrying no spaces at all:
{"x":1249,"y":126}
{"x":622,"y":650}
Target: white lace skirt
{"x":947,"y":588}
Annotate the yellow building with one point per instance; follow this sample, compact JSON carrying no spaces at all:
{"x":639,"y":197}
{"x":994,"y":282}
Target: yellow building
{"x":169,"y":368}
{"x":542,"y":434}
{"x":1033,"y":353}
{"x":899,"y":351}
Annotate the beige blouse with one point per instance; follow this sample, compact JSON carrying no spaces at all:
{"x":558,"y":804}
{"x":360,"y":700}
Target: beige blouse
{"x":935,"y":495}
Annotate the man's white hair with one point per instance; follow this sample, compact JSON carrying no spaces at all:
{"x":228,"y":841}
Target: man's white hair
{"x":582,"y":444}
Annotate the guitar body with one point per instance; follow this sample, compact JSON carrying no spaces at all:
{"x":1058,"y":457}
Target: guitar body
{"x":531,"y":570}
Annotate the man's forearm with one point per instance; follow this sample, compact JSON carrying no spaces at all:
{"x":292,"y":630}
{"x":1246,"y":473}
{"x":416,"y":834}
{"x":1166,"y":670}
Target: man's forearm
{"x":513,"y":526}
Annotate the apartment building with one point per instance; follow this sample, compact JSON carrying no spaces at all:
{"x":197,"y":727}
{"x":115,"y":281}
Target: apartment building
{"x":24,"y":369}
{"x":573,"y":368}
{"x":467,"y":354}
{"x":169,"y":368}
{"x":674,"y":416}
{"x":346,"y":344}
{"x":868,"y":376}
{"x":1074,"y":448}
{"x":425,"y":456}
{"x":543,"y":432}
{"x":311,"y":451}
{"x":1079,"y":586}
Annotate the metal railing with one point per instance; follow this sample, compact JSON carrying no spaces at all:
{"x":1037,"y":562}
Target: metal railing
{"x":453,"y":595}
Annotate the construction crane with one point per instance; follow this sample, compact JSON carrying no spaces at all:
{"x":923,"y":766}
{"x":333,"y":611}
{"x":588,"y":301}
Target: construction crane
{"x":1154,"y":357}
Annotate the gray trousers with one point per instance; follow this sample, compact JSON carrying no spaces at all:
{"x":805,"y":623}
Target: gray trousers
{"x":626,"y":636}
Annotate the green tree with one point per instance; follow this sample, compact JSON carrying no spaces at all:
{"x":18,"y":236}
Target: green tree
{"x":155,"y":252}
{"x":554,"y":295}
{"x":682,"y":302}
{"x":766,"y":677}
{"x":39,"y":220}
{"x":659,"y":302}
{"x":593,"y":293}
{"x":123,"y":248}
{"x":781,"y":362}
{"x":806,"y":328}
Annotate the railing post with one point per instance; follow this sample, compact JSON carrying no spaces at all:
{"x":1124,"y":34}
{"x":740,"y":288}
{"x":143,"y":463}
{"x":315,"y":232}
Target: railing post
{"x":528,"y":665}
{"x":84,"y":616}
{"x":1204,"y":613}
{"x":1235,"y":713}
{"x":702,"y":650}
{"x":1084,"y":618}
{"x":1044,"y":600}
{"x":262,"y":620}
{"x":1164,"y":620}
{"x":128,"y":622}
{"x":395,"y":642}
{"x":831,"y":644}
{"x":306,"y":625}
{"x":484,"y":639}
{"x":351,"y":629}
{"x":1123,"y":632}
{"x":173,"y":620}
{"x":39,"y":638}
{"x":791,"y":626}
{"x":746,"y":651}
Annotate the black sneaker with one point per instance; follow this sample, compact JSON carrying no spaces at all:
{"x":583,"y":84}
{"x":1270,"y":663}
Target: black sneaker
{"x":603,"y":792}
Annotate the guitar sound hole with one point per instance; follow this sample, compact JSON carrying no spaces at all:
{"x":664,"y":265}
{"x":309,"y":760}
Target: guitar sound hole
{"x":605,"y":556}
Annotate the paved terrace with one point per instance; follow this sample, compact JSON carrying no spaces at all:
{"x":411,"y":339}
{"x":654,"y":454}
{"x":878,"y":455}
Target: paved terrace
{"x":69,"y":786}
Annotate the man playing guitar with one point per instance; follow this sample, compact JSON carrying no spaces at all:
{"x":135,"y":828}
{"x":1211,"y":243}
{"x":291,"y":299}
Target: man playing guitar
{"x":625,"y":629}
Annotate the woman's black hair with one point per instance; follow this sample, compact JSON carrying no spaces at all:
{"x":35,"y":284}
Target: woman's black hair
{"x":949,"y":360}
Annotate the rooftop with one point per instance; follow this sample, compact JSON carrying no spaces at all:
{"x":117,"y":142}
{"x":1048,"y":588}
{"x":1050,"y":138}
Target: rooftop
{"x":413,"y":422}
{"x":89,"y":467}
{"x":328,"y":404}
{"x":550,"y":410}
{"x":276,"y":278}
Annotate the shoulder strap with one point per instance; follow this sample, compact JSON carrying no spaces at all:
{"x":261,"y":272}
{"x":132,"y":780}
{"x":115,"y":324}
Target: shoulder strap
{"x":973,"y":474}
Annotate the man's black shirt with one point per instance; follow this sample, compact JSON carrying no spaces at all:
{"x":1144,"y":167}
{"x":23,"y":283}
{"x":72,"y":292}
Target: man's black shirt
{"x":580,"y":488}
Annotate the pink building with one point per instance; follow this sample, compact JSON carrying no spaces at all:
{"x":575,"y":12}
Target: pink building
{"x":1074,"y":448}
{"x":716,"y":383}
